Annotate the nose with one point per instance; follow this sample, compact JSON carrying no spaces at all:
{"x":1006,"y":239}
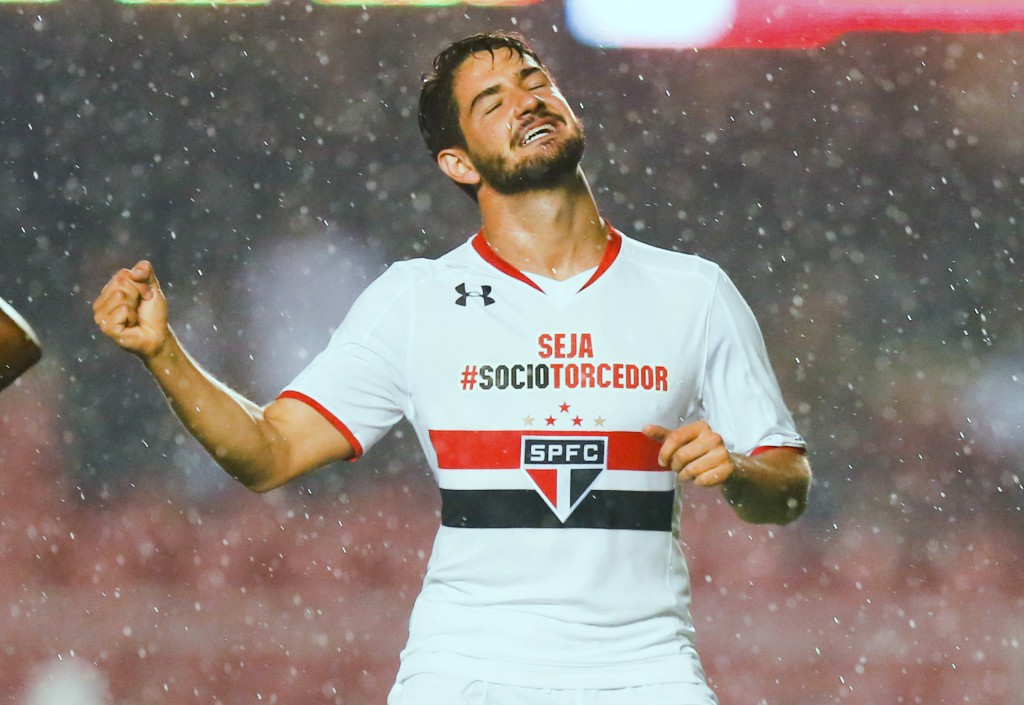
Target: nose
{"x":527,"y":102}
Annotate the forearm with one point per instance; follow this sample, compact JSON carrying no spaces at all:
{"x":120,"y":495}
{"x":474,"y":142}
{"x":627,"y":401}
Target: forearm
{"x":231,"y":428}
{"x":769,"y":488}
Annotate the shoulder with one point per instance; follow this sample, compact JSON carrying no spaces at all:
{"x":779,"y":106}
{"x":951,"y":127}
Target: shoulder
{"x":669,"y":262}
{"x":423,"y":271}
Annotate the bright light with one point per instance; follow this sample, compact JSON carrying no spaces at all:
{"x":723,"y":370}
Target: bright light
{"x":427,"y":3}
{"x":778,"y":23}
{"x":650,"y":23}
{"x":351,"y":3}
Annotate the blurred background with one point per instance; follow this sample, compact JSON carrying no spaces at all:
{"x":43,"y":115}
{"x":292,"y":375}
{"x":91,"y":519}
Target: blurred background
{"x":865,"y":196}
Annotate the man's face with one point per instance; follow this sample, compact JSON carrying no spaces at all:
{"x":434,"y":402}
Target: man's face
{"x":521,"y":135}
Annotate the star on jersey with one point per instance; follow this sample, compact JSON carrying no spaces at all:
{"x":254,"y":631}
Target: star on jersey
{"x":556,"y":419}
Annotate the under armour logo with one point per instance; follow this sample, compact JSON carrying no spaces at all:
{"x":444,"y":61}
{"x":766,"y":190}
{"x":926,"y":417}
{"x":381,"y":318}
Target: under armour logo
{"x":484,"y":293}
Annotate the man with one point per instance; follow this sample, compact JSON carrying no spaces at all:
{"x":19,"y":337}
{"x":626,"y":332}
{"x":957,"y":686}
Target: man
{"x":546,"y":366}
{"x":19,"y":346}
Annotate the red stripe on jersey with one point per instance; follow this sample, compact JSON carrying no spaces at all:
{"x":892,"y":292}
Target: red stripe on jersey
{"x":502,"y":450}
{"x":334,"y":420}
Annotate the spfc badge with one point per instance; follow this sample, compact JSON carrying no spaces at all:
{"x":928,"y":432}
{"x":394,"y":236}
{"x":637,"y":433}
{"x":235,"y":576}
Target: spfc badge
{"x":564,"y":468}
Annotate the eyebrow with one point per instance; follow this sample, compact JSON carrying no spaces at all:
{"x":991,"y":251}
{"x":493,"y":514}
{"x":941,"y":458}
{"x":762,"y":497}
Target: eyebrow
{"x":523,"y":74}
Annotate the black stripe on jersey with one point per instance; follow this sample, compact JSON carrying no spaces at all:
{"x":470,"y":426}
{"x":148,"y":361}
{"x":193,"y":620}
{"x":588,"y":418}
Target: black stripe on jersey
{"x":525,"y":509}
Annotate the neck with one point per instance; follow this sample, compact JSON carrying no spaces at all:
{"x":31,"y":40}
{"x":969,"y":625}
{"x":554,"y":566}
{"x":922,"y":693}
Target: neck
{"x":556,"y":233}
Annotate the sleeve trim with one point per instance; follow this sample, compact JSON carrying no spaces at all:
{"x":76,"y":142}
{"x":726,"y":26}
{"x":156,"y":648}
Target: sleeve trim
{"x":762,"y":449}
{"x":331,"y":418}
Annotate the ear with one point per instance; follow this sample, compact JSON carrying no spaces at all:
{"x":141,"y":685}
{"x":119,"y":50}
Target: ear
{"x":455,"y":163}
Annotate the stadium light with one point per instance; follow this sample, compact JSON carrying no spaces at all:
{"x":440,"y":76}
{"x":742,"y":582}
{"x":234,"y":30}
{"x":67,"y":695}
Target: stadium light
{"x":342,"y":3}
{"x":428,"y":3}
{"x":681,"y":24}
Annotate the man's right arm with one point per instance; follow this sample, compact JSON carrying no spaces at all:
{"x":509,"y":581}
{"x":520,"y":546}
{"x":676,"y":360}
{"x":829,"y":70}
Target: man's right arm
{"x":262,"y":447}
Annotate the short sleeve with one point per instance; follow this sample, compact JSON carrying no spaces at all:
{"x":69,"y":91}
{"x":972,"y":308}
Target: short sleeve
{"x":359,"y":381}
{"x":741,"y":397}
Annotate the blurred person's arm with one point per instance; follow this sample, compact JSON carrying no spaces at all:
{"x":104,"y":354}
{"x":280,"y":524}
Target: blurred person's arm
{"x":769,"y":487}
{"x":19,"y":346}
{"x":261,"y":446}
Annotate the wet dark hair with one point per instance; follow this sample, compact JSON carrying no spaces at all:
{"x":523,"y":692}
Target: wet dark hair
{"x":438,"y":111}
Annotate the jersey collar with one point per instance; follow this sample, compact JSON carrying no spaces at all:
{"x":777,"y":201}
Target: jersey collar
{"x":611,"y":252}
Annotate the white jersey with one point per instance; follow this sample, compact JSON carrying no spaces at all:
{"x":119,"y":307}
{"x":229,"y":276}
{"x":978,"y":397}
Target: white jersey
{"x":557,"y":563}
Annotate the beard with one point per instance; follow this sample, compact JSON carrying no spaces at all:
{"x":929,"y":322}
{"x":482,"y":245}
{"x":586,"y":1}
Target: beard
{"x":538,"y":173}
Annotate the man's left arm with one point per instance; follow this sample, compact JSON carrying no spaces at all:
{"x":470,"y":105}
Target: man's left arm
{"x":767,"y":487}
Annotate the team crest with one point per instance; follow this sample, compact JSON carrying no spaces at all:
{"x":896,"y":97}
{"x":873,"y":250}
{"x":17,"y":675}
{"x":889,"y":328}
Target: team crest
{"x":564,"y":468}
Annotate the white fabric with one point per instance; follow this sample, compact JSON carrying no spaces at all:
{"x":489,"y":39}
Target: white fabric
{"x":562,"y":288}
{"x":435,"y":689}
{"x":658,"y":337}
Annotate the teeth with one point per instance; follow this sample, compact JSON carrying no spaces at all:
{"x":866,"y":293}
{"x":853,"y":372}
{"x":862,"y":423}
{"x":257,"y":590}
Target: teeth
{"x":535,"y":133}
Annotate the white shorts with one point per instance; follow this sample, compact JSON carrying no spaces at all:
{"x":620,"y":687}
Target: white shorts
{"x":437,"y":689}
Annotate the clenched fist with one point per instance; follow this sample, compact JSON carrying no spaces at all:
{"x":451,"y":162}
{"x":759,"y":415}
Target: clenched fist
{"x":132,"y":310}
{"x":694,"y":452}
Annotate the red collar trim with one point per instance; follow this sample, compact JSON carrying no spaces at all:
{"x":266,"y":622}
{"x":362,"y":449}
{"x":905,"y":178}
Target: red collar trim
{"x":610,"y":253}
{"x":483,"y":249}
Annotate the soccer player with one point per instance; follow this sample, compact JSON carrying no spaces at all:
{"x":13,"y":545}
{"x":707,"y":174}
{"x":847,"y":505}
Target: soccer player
{"x":566,"y":383}
{"x":19,"y":346}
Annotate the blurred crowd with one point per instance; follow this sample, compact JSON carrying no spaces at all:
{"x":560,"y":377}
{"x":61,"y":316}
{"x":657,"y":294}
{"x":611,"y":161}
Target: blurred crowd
{"x":865,"y":197}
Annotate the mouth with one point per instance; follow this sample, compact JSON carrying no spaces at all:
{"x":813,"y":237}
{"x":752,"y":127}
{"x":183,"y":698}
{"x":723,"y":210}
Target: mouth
{"x":536,"y":132}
